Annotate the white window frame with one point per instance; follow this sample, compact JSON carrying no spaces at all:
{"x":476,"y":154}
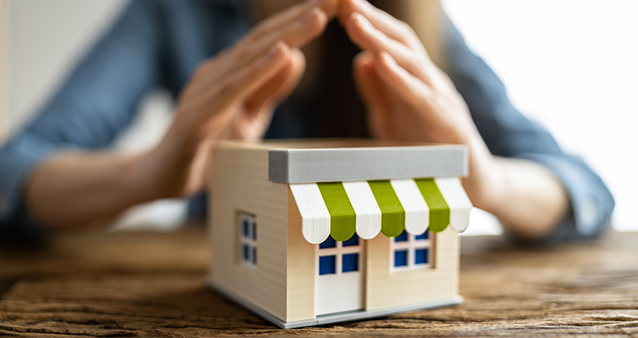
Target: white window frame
{"x":249,"y":241}
{"x":338,"y":251}
{"x":411,"y":245}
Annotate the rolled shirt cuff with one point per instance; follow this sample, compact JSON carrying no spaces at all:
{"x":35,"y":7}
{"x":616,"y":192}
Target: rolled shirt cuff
{"x":591,"y":202}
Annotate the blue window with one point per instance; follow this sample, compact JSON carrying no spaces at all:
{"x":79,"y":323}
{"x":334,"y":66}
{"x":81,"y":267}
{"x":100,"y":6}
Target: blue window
{"x":246,"y":251}
{"x":403,"y":237}
{"x":420,"y":256}
{"x":353,"y":241}
{"x":422,"y":237}
{"x":327,"y":265}
{"x":254,"y":231}
{"x":411,"y":252}
{"x":247,"y":230}
{"x":350,"y":262}
{"x":400,"y":258}
{"x":255,"y":256}
{"x":337,"y":257}
{"x":328,"y":243}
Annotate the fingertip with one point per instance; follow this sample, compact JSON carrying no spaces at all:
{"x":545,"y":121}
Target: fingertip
{"x":320,"y":19}
{"x":297,"y":59}
{"x":355,"y":18}
{"x":330,"y":7}
{"x":358,"y":24}
{"x":346,"y":8}
{"x":278,"y":51}
{"x":352,"y":27}
{"x":364,"y":59}
{"x":386,"y":66}
{"x":296,"y":53}
{"x":315,"y":21}
{"x":387,"y":60}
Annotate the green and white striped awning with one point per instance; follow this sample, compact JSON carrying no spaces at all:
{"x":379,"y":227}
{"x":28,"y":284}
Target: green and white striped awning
{"x":340,"y":209}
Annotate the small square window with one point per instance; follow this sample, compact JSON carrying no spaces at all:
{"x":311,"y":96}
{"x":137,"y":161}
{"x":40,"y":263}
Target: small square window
{"x":254,"y":256}
{"x":411,"y":252}
{"x":422,"y":236}
{"x":353,"y":241}
{"x":246,"y":228}
{"x":327,"y":265}
{"x":350,"y":262}
{"x":328,"y":243}
{"x":401,"y":258}
{"x":421,"y":256}
{"x":254,"y":231}
{"x":246,"y":251}
{"x":247,"y":239}
{"x":403,"y":237}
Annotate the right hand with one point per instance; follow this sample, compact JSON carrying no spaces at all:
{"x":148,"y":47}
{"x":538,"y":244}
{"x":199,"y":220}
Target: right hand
{"x":232,"y":95}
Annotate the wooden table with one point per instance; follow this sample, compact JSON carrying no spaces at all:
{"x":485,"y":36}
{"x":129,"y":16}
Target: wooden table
{"x":152,"y":284}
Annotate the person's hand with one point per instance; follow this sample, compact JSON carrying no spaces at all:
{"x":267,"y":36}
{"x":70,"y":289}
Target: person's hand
{"x":406,"y":95}
{"x":409,"y":98}
{"x":233,"y":95}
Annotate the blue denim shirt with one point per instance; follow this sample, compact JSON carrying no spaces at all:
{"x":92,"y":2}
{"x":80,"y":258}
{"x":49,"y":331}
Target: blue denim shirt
{"x":158,"y":43}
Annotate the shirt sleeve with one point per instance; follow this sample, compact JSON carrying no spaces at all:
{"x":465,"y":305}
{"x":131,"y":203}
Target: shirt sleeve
{"x":508,"y":133}
{"x":95,"y":103}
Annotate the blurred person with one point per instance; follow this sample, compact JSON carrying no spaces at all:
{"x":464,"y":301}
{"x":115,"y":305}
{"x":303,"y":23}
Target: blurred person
{"x":295,"y":74}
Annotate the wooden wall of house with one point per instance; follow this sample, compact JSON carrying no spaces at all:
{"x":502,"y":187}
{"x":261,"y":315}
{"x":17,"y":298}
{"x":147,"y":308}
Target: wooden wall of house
{"x":386,"y":289}
{"x":302,"y":268}
{"x":238,"y":181}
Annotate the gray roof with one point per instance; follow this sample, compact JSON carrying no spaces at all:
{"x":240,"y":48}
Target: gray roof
{"x":386,"y":161}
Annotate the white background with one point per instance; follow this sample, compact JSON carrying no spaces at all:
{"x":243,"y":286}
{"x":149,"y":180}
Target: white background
{"x":572,"y":65}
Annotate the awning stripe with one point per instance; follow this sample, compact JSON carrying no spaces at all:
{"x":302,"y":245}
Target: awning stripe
{"x":416,"y":210}
{"x":439,"y":210}
{"x":457,"y":200}
{"x":365,"y":207}
{"x":342,"y":216}
{"x":392,"y":213}
{"x":315,"y":217}
{"x":390,"y":206}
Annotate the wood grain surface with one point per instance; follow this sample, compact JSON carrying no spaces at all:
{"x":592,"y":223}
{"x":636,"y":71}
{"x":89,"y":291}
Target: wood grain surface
{"x":152,"y":285}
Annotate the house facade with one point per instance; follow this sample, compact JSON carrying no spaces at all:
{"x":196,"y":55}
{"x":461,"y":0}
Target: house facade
{"x":314,"y":232}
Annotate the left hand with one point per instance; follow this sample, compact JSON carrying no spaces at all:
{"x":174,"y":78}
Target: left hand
{"x":407,"y":96}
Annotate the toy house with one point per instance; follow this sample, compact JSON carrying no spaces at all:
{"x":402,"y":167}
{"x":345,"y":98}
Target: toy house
{"x":315,"y":232}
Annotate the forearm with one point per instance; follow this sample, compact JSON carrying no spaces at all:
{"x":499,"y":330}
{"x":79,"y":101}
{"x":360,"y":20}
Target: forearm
{"x":71,"y":190}
{"x":526,"y":197}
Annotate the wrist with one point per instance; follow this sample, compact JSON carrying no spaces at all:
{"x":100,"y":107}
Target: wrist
{"x":139,"y":177}
{"x":485,"y":184}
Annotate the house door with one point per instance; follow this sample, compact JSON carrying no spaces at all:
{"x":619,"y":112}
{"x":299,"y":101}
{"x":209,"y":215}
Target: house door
{"x":339,"y":276}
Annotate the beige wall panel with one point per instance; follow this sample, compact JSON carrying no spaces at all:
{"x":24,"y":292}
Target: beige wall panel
{"x":386,"y":289}
{"x":302,"y":268}
{"x":239,"y":181}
